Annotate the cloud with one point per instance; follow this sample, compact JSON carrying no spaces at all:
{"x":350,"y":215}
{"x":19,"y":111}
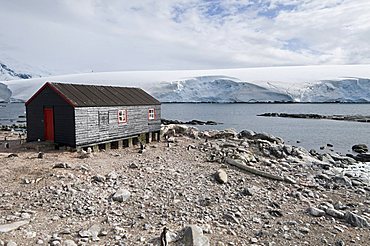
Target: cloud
{"x":84,"y":35}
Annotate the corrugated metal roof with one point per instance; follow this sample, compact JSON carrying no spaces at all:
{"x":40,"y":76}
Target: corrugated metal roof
{"x":98,"y":95}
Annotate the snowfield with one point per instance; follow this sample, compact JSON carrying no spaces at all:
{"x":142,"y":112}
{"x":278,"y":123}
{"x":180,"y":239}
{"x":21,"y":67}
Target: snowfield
{"x":325,"y":83}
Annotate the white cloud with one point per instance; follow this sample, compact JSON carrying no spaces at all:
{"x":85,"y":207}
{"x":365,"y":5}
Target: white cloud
{"x":83,"y":35}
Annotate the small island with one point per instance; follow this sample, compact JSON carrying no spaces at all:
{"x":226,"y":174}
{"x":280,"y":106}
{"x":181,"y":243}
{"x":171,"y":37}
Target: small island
{"x":356,"y":118}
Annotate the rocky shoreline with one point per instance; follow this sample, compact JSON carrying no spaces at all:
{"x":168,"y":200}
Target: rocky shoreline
{"x":192,"y":188}
{"x":355,"y":118}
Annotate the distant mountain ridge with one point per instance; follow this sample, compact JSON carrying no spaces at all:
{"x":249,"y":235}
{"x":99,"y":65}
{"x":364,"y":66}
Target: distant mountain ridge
{"x":326,"y":83}
{"x":11,"y":69}
{"x":7,"y":73}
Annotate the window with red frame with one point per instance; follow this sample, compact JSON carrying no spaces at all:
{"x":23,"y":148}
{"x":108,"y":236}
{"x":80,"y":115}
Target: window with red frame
{"x":151,"y":114}
{"x":122,"y":116}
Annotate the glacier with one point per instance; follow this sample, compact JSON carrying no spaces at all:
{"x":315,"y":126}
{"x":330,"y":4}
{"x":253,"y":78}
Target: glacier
{"x":322,"y":83}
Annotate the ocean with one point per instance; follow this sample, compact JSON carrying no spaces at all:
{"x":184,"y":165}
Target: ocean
{"x":308,"y":133}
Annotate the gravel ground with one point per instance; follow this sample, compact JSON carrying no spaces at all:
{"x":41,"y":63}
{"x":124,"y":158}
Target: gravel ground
{"x":123,"y":197}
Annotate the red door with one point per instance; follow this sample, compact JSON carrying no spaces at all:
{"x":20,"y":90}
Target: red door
{"x":48,"y":124}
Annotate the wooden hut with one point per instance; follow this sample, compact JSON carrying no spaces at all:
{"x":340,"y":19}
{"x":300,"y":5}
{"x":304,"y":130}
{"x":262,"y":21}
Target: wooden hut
{"x":88,"y":115}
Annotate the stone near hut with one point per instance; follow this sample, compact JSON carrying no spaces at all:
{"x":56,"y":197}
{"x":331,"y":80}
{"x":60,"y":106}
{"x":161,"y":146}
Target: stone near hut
{"x":62,"y":165}
{"x":94,"y":231}
{"x":356,"y":220}
{"x":334,"y":213}
{"x":365,"y":157}
{"x":360,"y":148}
{"x":133,"y":165}
{"x":221,"y":176}
{"x":12,"y":155}
{"x":98,"y":178}
{"x":342,"y":180}
{"x":193,"y":236}
{"x":40,"y":155}
{"x":69,"y":242}
{"x":246,"y":134}
{"x":112,"y":175}
{"x":121,"y":195}
{"x":11,"y":243}
{"x":12,"y":226}
{"x":250,"y":191}
{"x":315,"y":212}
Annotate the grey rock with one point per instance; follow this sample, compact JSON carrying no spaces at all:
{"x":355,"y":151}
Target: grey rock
{"x":288,"y":149}
{"x":355,"y":220}
{"x":193,"y":236}
{"x":69,"y":242}
{"x":11,"y":243}
{"x":334,"y":213}
{"x":221,"y":176}
{"x":121,"y":195}
{"x":12,"y":155}
{"x":304,"y":230}
{"x":315,"y":212}
{"x":246,"y":134}
{"x":62,"y":165}
{"x":133,"y":165}
{"x":231,"y":218}
{"x":339,"y":243}
{"x":341,"y":180}
{"x":112,"y":175}
{"x":326,"y":205}
{"x":229,"y":145}
{"x":268,"y":137}
{"x":290,"y":180}
{"x":40,"y":155}
{"x":98,"y":178}
{"x":12,"y":226}
{"x":362,"y":157}
{"x":84,"y":234}
{"x":94,"y":231}
{"x":360,"y":148}
{"x":250,"y":191}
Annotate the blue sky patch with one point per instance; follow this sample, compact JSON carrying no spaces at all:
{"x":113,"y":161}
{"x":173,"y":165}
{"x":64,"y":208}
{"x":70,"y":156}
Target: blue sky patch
{"x":272,"y":13}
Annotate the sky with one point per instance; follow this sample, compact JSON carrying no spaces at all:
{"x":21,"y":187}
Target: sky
{"x":71,"y":36}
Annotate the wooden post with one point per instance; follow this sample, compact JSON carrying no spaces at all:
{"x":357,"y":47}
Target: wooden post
{"x":107,"y":146}
{"x":130,"y":142}
{"x":120,"y":144}
{"x":95,"y":148}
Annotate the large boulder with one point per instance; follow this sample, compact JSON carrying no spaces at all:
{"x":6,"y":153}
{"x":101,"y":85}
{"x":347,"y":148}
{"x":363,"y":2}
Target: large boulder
{"x":193,"y":236}
{"x":268,"y":137}
{"x":121,"y":195}
{"x":246,"y":134}
{"x":355,"y":220}
{"x":221,"y":176}
{"x":362,"y":157}
{"x":360,"y":148}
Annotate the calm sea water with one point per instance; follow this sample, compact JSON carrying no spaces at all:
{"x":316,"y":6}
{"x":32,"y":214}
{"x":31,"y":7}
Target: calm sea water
{"x":311,"y":133}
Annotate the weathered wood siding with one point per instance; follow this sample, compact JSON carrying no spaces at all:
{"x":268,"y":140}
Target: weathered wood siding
{"x":64,"y":129}
{"x":90,"y":130}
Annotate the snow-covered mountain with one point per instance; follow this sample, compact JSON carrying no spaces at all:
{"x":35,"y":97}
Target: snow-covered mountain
{"x":344,"y":83}
{"x":216,"y":89}
{"x":10,"y":69}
